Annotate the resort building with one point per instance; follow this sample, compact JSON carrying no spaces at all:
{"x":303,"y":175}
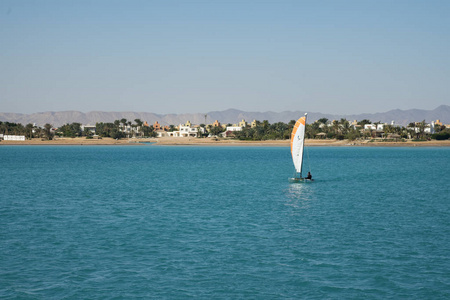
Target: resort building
{"x":161,"y":133}
{"x":91,"y":128}
{"x":242,"y":123}
{"x":156,"y":126}
{"x":378,"y":127}
{"x":355,"y":125}
{"x":234,"y":128}
{"x":430,"y":128}
{"x":184,"y":131}
{"x":7,"y":137}
{"x":427,"y":128}
{"x":375,"y":130}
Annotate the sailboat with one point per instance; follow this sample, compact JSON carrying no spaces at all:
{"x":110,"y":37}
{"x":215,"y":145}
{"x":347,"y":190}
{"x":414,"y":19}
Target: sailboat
{"x":297,"y":146}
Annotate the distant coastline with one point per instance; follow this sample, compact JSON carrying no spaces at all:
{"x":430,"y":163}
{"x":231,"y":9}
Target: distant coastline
{"x":59,"y":118}
{"x":179,"y":141}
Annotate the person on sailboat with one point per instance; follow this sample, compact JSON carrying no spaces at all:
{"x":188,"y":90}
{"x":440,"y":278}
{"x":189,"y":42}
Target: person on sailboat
{"x":309,"y":176}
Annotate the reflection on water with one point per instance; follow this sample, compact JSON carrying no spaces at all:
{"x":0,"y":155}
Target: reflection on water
{"x":299,"y":195}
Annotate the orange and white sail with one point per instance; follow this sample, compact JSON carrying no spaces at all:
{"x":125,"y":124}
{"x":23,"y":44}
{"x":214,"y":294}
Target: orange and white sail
{"x":298,"y":143}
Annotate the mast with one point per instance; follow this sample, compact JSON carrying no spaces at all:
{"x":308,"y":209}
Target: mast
{"x":303,"y":146}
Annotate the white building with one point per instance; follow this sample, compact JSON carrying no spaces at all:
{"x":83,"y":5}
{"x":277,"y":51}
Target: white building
{"x":234,"y":128}
{"x":91,"y":128}
{"x":230,"y":129}
{"x":161,"y":133}
{"x":370,"y":127}
{"x":378,"y":127}
{"x":14,"y":137}
{"x":184,"y":131}
{"x":429,"y":128}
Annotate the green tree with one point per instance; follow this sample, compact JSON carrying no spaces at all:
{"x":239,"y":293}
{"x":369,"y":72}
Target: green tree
{"x":336,"y":126}
{"x":364,"y":122}
{"x":70,"y":130}
{"x":139,"y":124}
{"x":87,"y":132}
{"x":421,"y":131}
{"x":38,"y":132}
{"x":148,"y":131}
{"x":3,"y":128}
{"x":216,"y":130}
{"x":105,"y":129}
{"x":353,"y":134}
{"x":291,"y":123}
{"x":442,"y":135}
{"x":344,"y":126}
{"x":323,"y":120}
{"x":124,"y":124}
{"x":29,"y":131}
{"x":48,"y":131}
{"x":117,"y":134}
{"x":202,"y":127}
{"x":129,"y":123}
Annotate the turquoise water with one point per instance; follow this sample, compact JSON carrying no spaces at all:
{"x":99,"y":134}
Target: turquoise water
{"x":122,"y":222}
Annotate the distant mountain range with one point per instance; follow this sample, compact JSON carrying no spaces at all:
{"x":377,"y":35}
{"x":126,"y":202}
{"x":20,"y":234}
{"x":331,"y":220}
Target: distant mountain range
{"x":402,"y":117}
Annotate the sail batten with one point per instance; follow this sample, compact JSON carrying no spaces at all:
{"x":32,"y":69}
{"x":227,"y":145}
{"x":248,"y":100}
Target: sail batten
{"x":297,"y":144}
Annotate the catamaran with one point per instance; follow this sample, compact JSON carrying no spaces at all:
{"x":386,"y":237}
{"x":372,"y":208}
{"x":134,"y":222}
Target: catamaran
{"x":297,"y":146}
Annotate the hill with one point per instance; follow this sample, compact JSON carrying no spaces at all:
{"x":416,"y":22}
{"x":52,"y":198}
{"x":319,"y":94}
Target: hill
{"x":402,"y":117}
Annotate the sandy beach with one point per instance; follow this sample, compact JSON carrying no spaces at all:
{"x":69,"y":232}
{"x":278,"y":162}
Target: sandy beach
{"x":224,"y":142}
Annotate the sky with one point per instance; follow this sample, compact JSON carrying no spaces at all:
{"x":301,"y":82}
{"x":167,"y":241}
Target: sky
{"x":343,"y":57}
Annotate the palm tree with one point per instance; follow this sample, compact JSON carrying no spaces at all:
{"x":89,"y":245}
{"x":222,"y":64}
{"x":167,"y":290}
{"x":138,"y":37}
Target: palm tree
{"x":139,"y":126}
{"x":3,"y":128}
{"x":37,"y":132}
{"x":345,"y":126}
{"x":323,"y":120}
{"x":203,"y":131}
{"x":421,"y":126}
{"x":117,"y":123}
{"x":48,"y":131}
{"x":364,"y":122}
{"x":129,"y":127}
{"x":336,"y":126}
{"x":18,"y":129}
{"x":124,"y":123}
{"x":29,"y":131}
{"x":291,"y":124}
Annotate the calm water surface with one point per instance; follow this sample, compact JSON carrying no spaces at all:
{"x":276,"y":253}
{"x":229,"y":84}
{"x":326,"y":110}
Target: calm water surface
{"x":103,"y":222}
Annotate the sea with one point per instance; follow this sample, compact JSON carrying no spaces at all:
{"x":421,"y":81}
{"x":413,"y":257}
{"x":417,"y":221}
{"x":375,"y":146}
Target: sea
{"x":211,"y":222}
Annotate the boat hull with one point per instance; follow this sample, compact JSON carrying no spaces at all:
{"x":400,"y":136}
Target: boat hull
{"x":300,"y":180}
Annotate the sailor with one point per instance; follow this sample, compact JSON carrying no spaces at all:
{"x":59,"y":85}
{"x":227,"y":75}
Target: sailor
{"x":309,"y":176}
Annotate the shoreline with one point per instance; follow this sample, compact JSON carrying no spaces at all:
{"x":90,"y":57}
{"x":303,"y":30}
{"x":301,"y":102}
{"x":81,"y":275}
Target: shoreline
{"x":182,"y":141}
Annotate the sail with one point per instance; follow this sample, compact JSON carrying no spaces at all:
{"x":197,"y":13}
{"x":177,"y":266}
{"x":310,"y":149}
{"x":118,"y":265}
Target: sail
{"x":297,"y":143}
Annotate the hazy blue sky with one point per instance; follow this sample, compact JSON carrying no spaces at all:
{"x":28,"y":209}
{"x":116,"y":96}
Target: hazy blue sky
{"x":199,"y":56}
